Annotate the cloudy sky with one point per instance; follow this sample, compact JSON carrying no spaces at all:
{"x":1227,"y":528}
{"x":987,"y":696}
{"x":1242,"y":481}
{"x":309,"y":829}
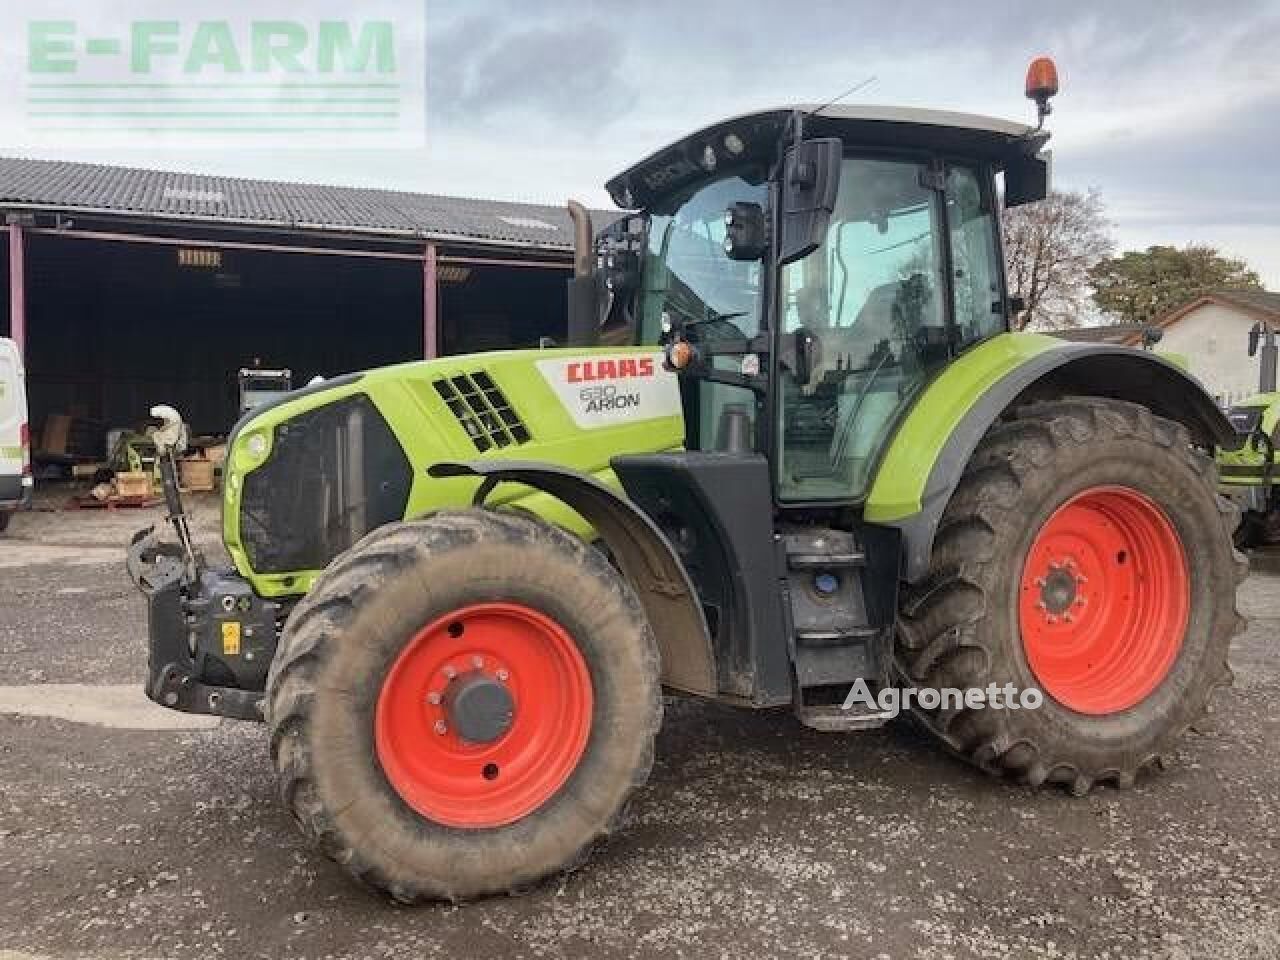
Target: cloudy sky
{"x":1171,"y":108}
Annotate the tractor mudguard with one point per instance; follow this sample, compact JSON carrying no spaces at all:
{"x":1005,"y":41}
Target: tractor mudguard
{"x":929,"y":452}
{"x":647,"y":560}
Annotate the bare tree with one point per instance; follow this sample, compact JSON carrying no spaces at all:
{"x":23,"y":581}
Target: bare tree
{"x":1050,"y":247}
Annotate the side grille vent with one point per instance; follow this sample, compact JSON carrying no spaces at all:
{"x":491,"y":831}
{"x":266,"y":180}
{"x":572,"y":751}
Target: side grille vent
{"x":483,"y":410}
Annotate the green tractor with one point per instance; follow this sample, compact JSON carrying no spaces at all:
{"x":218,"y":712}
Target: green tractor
{"x":792,"y":452}
{"x":1248,"y":466}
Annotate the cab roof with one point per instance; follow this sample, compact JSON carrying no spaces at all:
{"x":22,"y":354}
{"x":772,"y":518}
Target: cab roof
{"x":752,"y":138}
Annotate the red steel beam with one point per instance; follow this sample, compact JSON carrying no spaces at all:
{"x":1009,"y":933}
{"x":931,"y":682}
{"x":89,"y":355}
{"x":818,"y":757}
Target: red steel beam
{"x":216,"y":244}
{"x":17,"y":288}
{"x":495,"y":262}
{"x":430,"y":304}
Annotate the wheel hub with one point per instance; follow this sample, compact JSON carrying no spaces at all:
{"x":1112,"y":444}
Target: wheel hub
{"x":479,"y":707}
{"x":1059,"y":590}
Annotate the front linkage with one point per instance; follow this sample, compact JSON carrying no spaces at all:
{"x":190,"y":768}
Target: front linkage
{"x":211,"y":639}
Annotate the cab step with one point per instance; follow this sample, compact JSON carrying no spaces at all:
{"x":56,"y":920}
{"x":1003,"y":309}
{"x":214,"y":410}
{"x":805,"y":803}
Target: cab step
{"x":844,"y":560}
{"x":833,"y":718}
{"x":839,"y":637}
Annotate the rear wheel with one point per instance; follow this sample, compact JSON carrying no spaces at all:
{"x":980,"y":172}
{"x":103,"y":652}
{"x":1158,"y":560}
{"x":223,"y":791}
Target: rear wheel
{"x":463,"y":705}
{"x":1087,"y":555}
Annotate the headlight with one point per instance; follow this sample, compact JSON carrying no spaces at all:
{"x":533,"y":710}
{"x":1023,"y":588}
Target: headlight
{"x":256,"y":445}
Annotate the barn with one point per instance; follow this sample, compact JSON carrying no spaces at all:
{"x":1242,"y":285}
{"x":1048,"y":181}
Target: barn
{"x":131,"y":287}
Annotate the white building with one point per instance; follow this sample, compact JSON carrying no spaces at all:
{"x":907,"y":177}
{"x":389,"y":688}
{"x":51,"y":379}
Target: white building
{"x":1212,"y":332}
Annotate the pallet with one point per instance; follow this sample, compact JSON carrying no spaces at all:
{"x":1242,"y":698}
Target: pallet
{"x":90,"y":502}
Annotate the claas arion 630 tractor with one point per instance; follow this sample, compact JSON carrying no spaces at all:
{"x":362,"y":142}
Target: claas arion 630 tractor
{"x":791,"y":451}
{"x":1248,"y":467}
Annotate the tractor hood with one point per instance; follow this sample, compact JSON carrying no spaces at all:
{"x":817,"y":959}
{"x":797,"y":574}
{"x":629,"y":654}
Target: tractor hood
{"x":310,"y":474}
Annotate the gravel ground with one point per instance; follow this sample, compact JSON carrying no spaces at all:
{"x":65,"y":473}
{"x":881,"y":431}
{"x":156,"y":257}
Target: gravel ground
{"x":754,"y":836}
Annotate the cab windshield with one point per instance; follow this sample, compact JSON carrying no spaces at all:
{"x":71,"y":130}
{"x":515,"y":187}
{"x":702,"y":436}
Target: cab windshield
{"x":687,"y":277}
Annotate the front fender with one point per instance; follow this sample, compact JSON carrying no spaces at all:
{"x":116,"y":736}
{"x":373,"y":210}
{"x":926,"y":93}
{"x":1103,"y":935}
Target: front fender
{"x":930,"y":449}
{"x":645,"y":556}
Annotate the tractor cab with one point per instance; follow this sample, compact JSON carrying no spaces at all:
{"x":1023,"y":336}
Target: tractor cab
{"x":1247,"y":467}
{"x":808,"y":270}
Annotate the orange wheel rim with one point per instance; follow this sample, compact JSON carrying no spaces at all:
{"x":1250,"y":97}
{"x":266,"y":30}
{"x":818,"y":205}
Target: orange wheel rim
{"x":484,"y":715}
{"x":1104,"y":601}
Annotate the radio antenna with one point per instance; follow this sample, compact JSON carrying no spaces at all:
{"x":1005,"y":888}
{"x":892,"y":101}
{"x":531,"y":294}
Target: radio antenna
{"x":860,"y":85}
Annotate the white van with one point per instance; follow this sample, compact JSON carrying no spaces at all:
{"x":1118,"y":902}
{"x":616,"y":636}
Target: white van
{"x":15,"y":435}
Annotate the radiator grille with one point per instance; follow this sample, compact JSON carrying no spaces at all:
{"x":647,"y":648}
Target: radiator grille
{"x":483,"y":411}
{"x":334,"y":474}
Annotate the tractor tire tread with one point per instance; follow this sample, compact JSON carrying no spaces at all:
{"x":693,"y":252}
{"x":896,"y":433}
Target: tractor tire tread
{"x":938,"y":645}
{"x":315,"y":629}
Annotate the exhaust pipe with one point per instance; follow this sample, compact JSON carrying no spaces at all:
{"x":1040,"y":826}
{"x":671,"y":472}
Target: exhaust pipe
{"x":584,"y":255}
{"x":1269,"y":357}
{"x":584,"y":312}
{"x":1265,"y":333}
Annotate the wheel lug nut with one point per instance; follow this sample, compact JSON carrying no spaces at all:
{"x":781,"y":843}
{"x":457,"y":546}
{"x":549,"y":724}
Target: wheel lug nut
{"x":440,"y":727}
{"x":477,"y":662}
{"x":433,"y":698}
{"x":450,"y":673}
{"x":503,"y":675}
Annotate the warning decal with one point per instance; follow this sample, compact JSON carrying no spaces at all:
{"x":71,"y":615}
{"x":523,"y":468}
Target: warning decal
{"x":230,"y":638}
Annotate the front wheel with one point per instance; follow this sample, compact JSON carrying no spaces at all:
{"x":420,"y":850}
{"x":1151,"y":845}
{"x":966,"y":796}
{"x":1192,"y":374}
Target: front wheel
{"x":463,"y":705}
{"x":1085,"y":555}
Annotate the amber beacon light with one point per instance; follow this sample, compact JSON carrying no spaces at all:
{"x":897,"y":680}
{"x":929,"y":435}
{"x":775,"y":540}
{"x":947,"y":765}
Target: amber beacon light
{"x":1042,"y":85}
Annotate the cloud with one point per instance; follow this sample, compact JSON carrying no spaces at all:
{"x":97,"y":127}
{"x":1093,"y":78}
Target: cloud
{"x":491,"y":71}
{"x":1167,"y":105}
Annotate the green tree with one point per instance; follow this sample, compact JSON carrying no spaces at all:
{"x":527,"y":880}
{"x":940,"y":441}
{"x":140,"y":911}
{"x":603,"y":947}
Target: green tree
{"x":1138,"y":287}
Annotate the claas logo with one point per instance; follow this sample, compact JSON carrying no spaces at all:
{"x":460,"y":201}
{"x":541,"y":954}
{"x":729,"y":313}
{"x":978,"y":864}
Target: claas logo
{"x":625,"y":368}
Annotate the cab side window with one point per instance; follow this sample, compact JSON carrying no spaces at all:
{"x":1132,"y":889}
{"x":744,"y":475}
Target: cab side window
{"x":975,"y":258}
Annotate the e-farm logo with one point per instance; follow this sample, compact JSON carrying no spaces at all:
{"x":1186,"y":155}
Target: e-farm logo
{"x":265,"y":73}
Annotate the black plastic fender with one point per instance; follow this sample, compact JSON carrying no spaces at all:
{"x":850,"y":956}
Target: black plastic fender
{"x":645,"y":556}
{"x":1075,"y":369}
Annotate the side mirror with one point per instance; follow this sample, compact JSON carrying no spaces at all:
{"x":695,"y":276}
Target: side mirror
{"x":1151,"y":336}
{"x":810,"y":184}
{"x":1027,"y":179}
{"x":1254,"y":336}
{"x":745,"y":235}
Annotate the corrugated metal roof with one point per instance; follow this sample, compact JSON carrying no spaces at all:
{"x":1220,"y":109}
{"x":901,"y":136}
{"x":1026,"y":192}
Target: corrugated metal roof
{"x":57,"y":185}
